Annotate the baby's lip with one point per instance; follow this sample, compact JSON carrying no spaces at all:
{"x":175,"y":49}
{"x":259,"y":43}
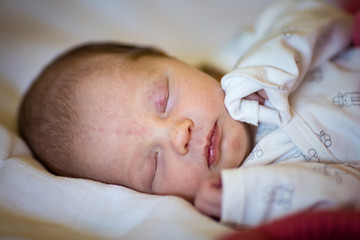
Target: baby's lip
{"x":211,"y":150}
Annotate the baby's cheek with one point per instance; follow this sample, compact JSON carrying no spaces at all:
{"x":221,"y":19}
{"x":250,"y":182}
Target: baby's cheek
{"x":232,"y":147}
{"x":183,"y":183}
{"x":235,"y":151}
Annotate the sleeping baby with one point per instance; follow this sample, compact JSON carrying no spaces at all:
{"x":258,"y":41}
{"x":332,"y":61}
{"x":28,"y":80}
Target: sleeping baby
{"x":280,"y":133}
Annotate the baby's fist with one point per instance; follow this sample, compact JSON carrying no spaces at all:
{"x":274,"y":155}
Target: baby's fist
{"x":208,"y":197}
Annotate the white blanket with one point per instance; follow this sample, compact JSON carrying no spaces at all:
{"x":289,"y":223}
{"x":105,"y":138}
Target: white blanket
{"x":92,"y":207}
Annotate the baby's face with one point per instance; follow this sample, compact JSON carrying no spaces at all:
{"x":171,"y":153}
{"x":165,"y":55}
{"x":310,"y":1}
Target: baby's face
{"x":160,"y":128}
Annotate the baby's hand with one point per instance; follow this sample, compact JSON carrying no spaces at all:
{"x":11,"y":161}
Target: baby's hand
{"x":208,"y":197}
{"x":259,"y":96}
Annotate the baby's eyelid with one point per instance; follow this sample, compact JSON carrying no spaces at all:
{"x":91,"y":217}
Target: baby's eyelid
{"x":166,"y":100}
{"x":167,"y":96}
{"x":156,"y":159}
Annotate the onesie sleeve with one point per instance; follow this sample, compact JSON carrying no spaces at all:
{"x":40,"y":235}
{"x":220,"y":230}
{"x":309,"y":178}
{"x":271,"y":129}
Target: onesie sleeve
{"x":257,"y":194}
{"x":289,"y":39}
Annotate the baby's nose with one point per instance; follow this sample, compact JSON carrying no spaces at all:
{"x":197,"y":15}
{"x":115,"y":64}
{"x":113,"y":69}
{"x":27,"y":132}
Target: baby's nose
{"x":181,"y":135}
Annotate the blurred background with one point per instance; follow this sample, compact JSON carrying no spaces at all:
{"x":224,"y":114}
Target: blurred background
{"x":34,"y":32}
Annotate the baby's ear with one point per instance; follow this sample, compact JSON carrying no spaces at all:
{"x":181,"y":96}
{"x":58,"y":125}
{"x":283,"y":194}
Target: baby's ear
{"x":213,"y":71}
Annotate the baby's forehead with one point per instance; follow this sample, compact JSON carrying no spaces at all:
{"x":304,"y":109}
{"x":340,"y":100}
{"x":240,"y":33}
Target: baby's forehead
{"x":95,"y":70}
{"x":107,"y":86}
{"x":112,"y":78}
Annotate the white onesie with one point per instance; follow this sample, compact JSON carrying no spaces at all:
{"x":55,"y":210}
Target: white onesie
{"x":307,"y":153}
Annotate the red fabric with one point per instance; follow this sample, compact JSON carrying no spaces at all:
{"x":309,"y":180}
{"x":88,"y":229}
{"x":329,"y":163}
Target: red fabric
{"x":353,"y":7}
{"x":356,"y":29}
{"x":340,"y":224}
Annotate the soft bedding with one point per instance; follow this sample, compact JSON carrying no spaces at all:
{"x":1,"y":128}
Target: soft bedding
{"x":39,"y":205}
{"x":91,"y":207}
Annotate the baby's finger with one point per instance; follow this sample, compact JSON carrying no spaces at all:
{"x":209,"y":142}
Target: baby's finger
{"x":263,"y":94}
{"x":210,"y":210}
{"x":208,"y":198}
{"x":256,"y":97}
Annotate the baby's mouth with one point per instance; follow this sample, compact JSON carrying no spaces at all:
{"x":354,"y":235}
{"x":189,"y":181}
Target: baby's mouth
{"x":212,"y":148}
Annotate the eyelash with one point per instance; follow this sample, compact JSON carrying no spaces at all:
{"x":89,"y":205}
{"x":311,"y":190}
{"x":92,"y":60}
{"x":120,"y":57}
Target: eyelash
{"x":155,"y":168}
{"x":162,"y":102}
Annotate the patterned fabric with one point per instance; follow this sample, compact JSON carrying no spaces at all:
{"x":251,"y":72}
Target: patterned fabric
{"x":308,"y":156}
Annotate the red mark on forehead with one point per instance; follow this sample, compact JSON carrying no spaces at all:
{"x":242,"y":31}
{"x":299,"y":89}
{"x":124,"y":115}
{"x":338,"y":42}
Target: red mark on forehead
{"x":137,"y":132}
{"x":135,"y":129}
{"x":131,"y":131}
